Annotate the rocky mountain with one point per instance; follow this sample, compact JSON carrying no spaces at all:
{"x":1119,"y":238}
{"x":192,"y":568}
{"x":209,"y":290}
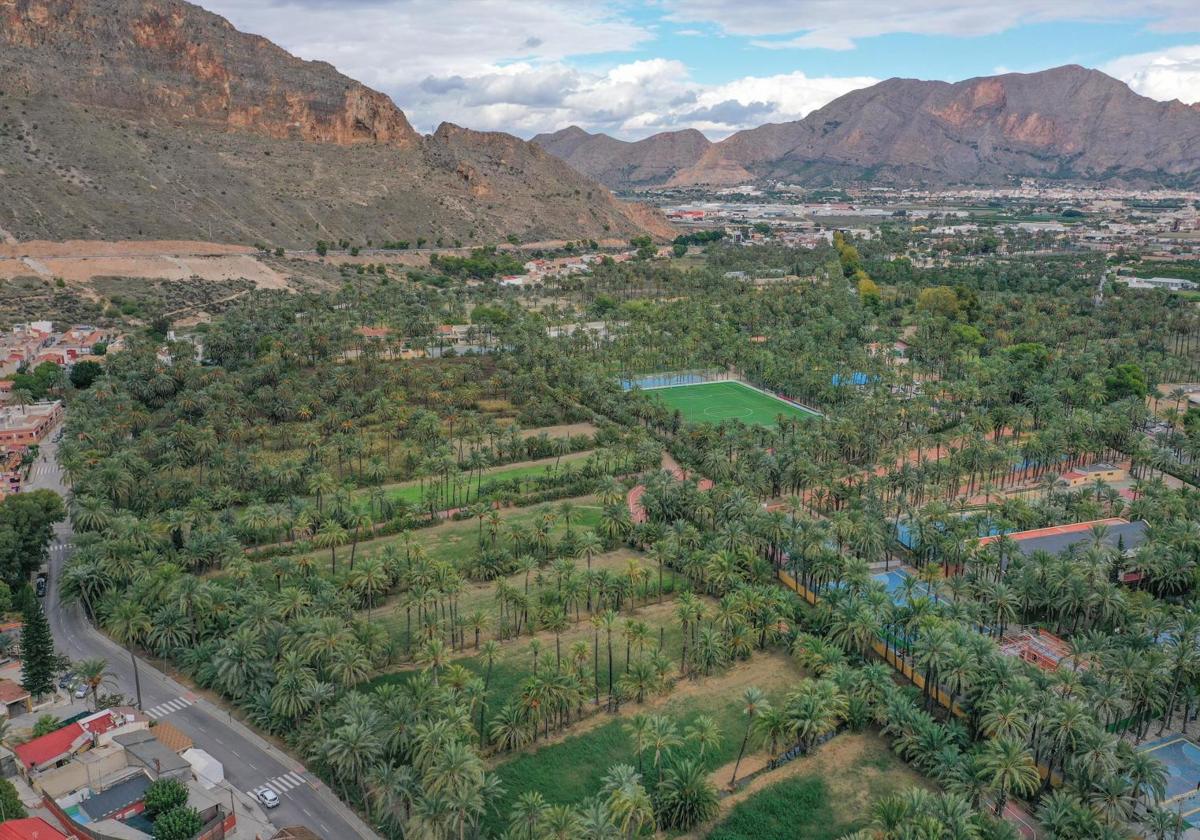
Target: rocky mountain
{"x":158,"y":119}
{"x":1067,"y":123}
{"x":622,"y":165}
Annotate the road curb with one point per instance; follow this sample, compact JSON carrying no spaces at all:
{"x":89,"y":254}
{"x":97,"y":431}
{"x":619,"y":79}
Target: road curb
{"x":289,"y":761}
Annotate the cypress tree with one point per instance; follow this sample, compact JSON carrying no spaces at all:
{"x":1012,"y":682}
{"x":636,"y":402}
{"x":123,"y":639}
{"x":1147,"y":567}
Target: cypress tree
{"x":38,"y":660}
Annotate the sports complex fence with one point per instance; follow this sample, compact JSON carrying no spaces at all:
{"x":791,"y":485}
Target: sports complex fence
{"x":671,"y":379}
{"x":646,"y":381}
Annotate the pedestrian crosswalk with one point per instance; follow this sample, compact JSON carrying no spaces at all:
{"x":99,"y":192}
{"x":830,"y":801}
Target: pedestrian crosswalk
{"x":169,"y":707}
{"x":280,"y":784}
{"x":62,"y":546}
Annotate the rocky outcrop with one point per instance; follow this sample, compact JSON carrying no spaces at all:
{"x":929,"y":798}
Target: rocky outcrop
{"x":1068,"y":123}
{"x":622,"y":165}
{"x":158,"y":119}
{"x":161,"y":57}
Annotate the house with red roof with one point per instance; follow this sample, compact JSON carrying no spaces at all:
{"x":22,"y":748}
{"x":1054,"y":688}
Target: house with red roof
{"x":14,"y":700}
{"x":54,"y":748}
{"x":33,"y":828}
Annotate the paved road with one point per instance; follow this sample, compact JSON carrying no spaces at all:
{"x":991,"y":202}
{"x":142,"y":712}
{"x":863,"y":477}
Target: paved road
{"x":250,"y":762}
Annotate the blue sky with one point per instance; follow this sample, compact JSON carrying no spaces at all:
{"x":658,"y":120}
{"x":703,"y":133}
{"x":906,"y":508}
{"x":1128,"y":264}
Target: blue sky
{"x":631,"y":69}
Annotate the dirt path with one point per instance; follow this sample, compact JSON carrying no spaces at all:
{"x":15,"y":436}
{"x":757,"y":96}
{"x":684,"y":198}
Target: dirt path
{"x":564,"y":430}
{"x":227,"y":299}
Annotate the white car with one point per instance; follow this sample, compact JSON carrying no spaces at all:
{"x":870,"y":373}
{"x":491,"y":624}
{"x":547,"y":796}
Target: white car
{"x":268,"y":798}
{"x":82,"y":690}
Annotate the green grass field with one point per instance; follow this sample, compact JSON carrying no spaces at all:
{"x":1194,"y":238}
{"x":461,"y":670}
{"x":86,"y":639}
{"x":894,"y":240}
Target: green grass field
{"x":712,"y":402}
{"x":411,"y":491}
{"x":824,"y":796}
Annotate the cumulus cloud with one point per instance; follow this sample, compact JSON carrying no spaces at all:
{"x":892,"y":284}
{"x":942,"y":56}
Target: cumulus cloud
{"x":632,"y":100}
{"x":834,"y":24}
{"x":389,"y":43}
{"x":527,"y":66}
{"x":1172,"y":73}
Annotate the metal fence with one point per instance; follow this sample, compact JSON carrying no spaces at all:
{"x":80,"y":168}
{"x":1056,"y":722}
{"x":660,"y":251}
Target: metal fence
{"x":673,"y":378}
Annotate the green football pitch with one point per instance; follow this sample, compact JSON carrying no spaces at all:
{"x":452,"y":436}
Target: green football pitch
{"x":712,"y":402}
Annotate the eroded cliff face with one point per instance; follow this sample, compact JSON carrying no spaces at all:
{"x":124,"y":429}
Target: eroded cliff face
{"x":156,"y":57}
{"x":158,"y":119}
{"x":1067,"y":123}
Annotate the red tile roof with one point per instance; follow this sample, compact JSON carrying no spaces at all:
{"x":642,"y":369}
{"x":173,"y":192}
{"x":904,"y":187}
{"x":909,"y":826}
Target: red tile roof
{"x":62,"y":742}
{"x":34,"y":828}
{"x":1054,"y":530}
{"x":52,"y":747}
{"x":11,"y":692}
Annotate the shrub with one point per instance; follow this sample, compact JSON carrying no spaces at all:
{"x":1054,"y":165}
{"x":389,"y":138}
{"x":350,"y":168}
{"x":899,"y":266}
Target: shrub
{"x":178,"y":824}
{"x":10,"y":803}
{"x":164,"y":796}
{"x":685,"y":797}
{"x":45,"y":725}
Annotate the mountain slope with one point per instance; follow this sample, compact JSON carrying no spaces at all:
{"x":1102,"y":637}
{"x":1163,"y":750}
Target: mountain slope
{"x":158,"y":119}
{"x":622,"y":165}
{"x":1069,"y":123}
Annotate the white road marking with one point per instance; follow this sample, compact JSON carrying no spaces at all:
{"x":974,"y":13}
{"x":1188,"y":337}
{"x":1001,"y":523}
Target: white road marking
{"x":169,"y":707}
{"x":280,"y":784}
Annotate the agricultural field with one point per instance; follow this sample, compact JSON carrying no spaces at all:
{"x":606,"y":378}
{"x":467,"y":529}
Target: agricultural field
{"x":713,"y":402}
{"x":602,"y":624}
{"x":571,"y":767}
{"x":415,"y":493}
{"x":822,"y":796}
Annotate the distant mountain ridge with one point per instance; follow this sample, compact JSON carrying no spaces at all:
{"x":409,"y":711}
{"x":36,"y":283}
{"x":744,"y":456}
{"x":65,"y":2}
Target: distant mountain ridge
{"x":158,"y":119}
{"x":1068,"y":123}
{"x":619,"y":164}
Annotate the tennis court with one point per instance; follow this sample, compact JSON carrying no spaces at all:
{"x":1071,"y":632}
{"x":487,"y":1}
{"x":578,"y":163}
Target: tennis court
{"x":1182,"y":759}
{"x":712,"y":402}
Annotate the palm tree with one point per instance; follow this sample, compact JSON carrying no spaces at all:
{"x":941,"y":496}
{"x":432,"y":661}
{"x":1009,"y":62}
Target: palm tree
{"x":359,"y":521}
{"x":1009,"y":768}
{"x":528,"y":812}
{"x":754,"y":702}
{"x":370,"y":580}
{"x":351,"y":751}
{"x":705,"y":732}
{"x":608,"y":623}
{"x":488,"y":652}
{"x":590,"y":545}
{"x":94,"y":673}
{"x":330,"y":535}
{"x":128,"y":623}
{"x":685,"y":797}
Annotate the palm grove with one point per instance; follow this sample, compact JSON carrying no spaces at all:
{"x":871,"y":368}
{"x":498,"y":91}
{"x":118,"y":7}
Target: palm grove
{"x":238,"y":519}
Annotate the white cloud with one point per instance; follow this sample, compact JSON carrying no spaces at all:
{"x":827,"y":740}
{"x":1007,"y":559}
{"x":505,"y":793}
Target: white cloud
{"x":393,"y":43}
{"x":1172,"y":73}
{"x":510,"y":65}
{"x":835,"y":24}
{"x":630,"y":100}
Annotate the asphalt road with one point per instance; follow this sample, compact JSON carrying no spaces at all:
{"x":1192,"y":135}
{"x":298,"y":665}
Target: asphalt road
{"x":250,"y":762}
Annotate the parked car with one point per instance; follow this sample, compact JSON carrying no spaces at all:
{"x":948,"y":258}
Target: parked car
{"x":39,"y":585}
{"x":67,"y":680}
{"x":82,"y":690}
{"x":268,"y":798}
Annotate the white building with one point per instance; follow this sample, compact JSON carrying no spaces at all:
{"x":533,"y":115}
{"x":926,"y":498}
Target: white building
{"x":1170,"y":284}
